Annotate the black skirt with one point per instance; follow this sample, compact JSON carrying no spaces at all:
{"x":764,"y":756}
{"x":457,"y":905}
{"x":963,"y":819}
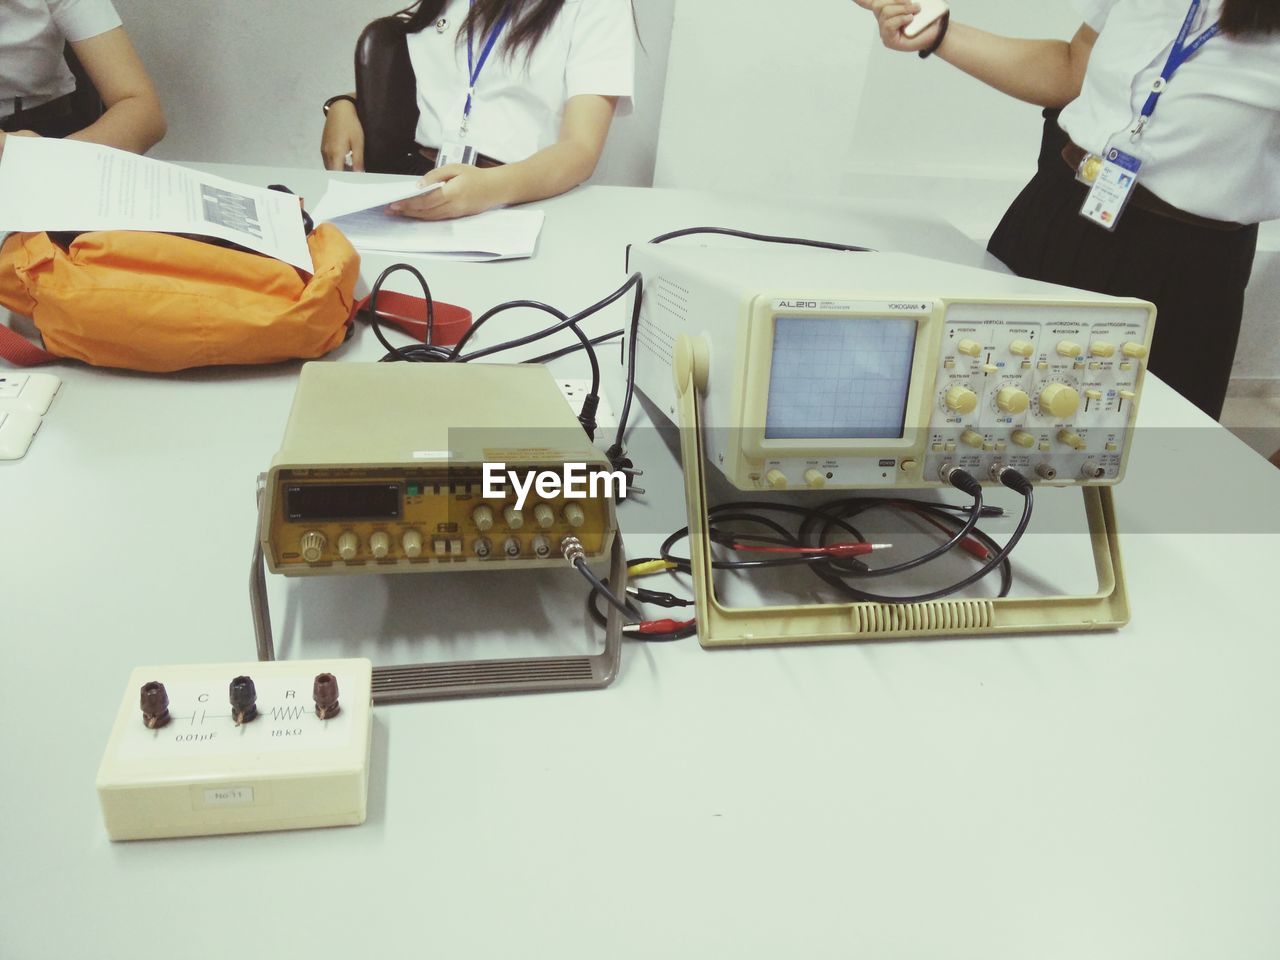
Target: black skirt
{"x":1195,"y":275}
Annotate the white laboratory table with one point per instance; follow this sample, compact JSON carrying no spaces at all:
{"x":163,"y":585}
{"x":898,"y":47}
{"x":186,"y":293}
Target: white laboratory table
{"x":1109,"y":795}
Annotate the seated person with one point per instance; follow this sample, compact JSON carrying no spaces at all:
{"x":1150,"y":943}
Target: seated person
{"x":36,"y":84}
{"x":545,"y":78}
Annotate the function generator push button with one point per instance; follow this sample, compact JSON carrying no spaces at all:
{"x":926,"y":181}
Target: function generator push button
{"x":312,"y":546}
{"x":1059,"y":401}
{"x":970,"y":348}
{"x":961,"y":400}
{"x":412,"y":543}
{"x":379,"y":545}
{"x":1012,"y":400}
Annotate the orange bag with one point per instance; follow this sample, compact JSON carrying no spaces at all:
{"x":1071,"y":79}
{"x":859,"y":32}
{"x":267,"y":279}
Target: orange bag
{"x":159,"y":302}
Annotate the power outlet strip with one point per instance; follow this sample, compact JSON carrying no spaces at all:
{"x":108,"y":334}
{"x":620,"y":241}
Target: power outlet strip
{"x":178,"y":763}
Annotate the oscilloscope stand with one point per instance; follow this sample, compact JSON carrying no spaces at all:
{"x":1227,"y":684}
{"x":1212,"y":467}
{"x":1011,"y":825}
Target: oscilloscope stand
{"x":719,"y":625}
{"x":465,"y":678}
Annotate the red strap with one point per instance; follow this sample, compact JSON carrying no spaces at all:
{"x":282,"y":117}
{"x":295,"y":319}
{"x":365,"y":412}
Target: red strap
{"x":20,"y":351}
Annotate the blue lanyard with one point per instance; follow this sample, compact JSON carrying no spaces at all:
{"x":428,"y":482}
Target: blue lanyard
{"x":1180,"y":54}
{"x":475,"y":66}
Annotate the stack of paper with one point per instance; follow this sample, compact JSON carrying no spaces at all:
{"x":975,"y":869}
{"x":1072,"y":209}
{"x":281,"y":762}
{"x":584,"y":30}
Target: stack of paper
{"x":359,"y":211}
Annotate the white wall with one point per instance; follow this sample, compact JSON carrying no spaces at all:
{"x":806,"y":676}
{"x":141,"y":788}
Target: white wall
{"x":242,"y":82}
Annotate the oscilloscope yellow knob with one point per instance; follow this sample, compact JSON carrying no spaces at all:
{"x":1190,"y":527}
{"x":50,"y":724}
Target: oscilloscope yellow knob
{"x":1073,"y":440}
{"x":482,"y":517}
{"x":961,"y":400}
{"x":544,"y":516}
{"x":776,"y":479}
{"x":348,"y":545}
{"x":971,"y":438}
{"x":412,"y":544}
{"x":1022,"y":438}
{"x":574,"y":516}
{"x":1100,"y":348}
{"x":1135,"y":350}
{"x":1067,"y":348}
{"x":1059,"y":401}
{"x":379,"y":545}
{"x":815,"y":478}
{"x":1012,"y":400}
{"x":970,"y":348}
{"x":312,"y":546}
{"x":1022,"y":348}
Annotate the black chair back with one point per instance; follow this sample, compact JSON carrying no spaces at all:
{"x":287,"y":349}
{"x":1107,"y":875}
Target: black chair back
{"x":386,"y":98}
{"x":86,"y":104}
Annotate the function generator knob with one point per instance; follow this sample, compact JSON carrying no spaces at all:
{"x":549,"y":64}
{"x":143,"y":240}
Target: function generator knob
{"x":574,"y":516}
{"x":348,"y":545}
{"x":379,"y":545}
{"x":513,"y":517}
{"x":1100,"y":348}
{"x":412,"y":544}
{"x":961,"y":400}
{"x":1023,"y":438}
{"x":1012,"y":400}
{"x":1022,"y":348}
{"x":482,"y":517}
{"x":312,"y":546}
{"x":970,"y":348}
{"x":1134,"y":350}
{"x":1059,"y":401}
{"x":544,"y":516}
{"x":776,"y":479}
{"x":815,"y":478}
{"x":1068,"y":348}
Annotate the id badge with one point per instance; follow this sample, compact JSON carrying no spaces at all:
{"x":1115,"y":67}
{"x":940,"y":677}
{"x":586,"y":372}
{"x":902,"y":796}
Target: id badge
{"x":457,"y":153}
{"x":1117,"y":175}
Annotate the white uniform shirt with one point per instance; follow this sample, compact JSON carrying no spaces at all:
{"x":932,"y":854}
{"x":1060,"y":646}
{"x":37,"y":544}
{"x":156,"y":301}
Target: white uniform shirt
{"x":1213,"y":145}
{"x":519,"y":102}
{"x":32,"y":35}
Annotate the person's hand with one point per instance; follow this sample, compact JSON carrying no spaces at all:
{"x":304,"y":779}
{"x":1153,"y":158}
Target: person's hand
{"x":467,"y":190}
{"x":16,"y":133}
{"x":342,"y":135}
{"x":892,"y":16}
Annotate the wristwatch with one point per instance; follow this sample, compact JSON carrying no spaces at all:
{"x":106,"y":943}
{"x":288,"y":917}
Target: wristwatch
{"x":332,"y":100}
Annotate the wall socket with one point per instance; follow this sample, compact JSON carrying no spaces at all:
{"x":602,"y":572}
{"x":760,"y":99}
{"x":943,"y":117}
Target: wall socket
{"x":238,"y":748}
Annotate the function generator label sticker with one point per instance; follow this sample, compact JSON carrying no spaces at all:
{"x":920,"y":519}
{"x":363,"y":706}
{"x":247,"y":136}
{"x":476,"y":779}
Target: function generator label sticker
{"x":228,"y":797}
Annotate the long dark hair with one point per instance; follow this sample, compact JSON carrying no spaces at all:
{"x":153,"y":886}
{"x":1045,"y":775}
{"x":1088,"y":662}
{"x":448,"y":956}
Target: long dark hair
{"x":530,"y":20}
{"x":1245,"y":18}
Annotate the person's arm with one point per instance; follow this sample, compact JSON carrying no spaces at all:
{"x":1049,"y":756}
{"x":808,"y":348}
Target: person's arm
{"x":1044,"y":72}
{"x":566,"y":163}
{"x":343,"y":134}
{"x":134,"y":119}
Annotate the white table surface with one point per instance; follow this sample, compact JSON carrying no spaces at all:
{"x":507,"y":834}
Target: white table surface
{"x":1094,"y":795}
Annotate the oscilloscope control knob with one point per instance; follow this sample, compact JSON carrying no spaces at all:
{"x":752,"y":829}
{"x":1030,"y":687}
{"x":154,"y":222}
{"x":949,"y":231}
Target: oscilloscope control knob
{"x":970,"y":348}
{"x":379,"y":545}
{"x":1071,"y":439}
{"x":482,"y":517}
{"x":1023,"y":439}
{"x":412,"y":544}
{"x":776,"y":479}
{"x":1135,"y":351}
{"x":513,"y":517}
{"x":312,"y":546}
{"x":1012,"y":400}
{"x":1059,"y":401}
{"x":961,"y":400}
{"x":1069,"y":348}
{"x":1022,"y":348}
{"x":348,"y":545}
{"x":815,"y":478}
{"x":971,"y":438}
{"x":544,"y":516}
{"x":574,"y":516}
{"x":1100,"y":348}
